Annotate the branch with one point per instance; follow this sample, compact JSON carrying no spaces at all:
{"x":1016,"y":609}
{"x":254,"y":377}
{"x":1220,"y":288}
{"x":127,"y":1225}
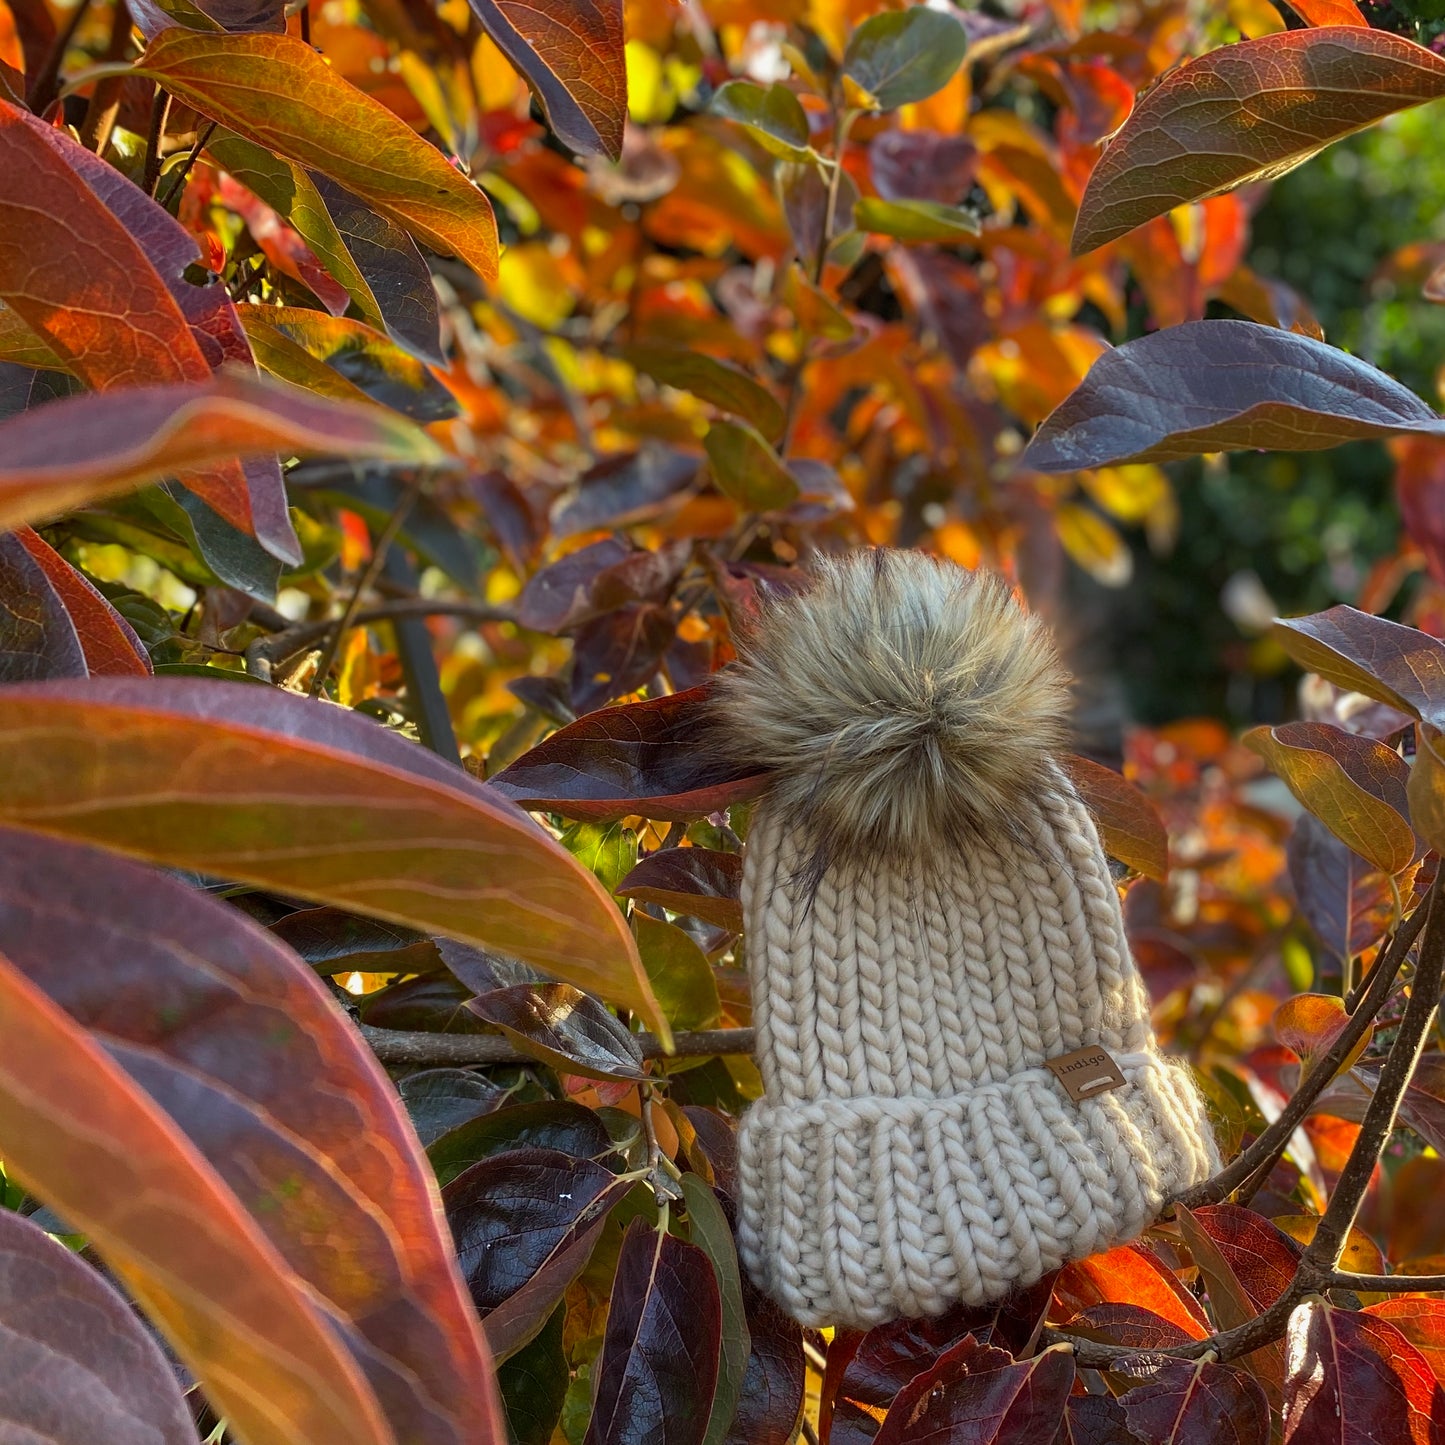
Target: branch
{"x":1259,"y":1158}
{"x":269,"y":652}
{"x":1389,"y":1283}
{"x":400,"y":1046}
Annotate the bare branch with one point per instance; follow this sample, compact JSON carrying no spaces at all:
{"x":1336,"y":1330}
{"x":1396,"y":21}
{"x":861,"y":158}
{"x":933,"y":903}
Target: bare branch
{"x":399,"y":1046}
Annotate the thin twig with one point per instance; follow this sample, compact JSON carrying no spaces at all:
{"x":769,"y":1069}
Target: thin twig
{"x":369,"y":574}
{"x":401,"y":1046}
{"x":1259,"y":1158}
{"x":160,"y":114}
{"x":267,"y":653}
{"x":841,"y":126}
{"x":184,"y":169}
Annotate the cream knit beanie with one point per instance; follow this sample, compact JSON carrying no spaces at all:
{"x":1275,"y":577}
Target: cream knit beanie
{"x":930,"y":925}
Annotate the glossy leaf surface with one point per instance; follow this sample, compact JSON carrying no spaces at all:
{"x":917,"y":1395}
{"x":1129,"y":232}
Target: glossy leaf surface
{"x":1249,"y":112}
{"x":1211,"y":386}
{"x":563,"y":1027}
{"x":700,"y":882}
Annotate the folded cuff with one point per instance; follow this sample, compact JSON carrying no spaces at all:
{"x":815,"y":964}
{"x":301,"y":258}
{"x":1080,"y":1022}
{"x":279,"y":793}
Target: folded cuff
{"x":858,"y":1211}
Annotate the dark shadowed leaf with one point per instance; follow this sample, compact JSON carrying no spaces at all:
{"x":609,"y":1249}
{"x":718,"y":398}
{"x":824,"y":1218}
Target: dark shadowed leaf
{"x":1198,"y":1403}
{"x":924,"y":165}
{"x":84,"y":447}
{"x":904,"y":55}
{"x":1211,"y":386}
{"x":108,"y":641}
{"x":976,"y":1393}
{"x":1355,"y":1377}
{"x":235,"y":1042}
{"x":659,"y":1365}
{"x":626,"y":488}
{"x":37,"y":638}
{"x":79,"y":1367}
{"x":618,"y":653}
{"x":747,"y":469}
{"x":700,"y":882}
{"x":533,"y":1383}
{"x":525,"y":1223}
{"x":726,"y":386}
{"x":709,"y":1229}
{"x":332,"y":941}
{"x":773,"y":116}
{"x":571,"y":51}
{"x":551,"y":1124}
{"x":1349,"y":904}
{"x":314,"y":800}
{"x":564,"y":1028}
{"x":1095,"y":1420}
{"x":1355,"y":786}
{"x":277,"y":91}
{"x":1129,"y":824}
{"x":440,"y":1100}
{"x":433,"y":1003}
{"x":646,"y":758}
{"x":771,"y":1399}
{"x":1249,"y":112}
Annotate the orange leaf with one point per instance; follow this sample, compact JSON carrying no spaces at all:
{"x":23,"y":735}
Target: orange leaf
{"x":278,"y":92}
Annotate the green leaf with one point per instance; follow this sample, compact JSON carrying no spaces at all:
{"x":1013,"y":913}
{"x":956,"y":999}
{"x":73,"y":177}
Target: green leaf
{"x":747,"y":469}
{"x":710,"y":1230}
{"x":607,"y":849}
{"x":905,"y":55}
{"x":533,"y":1383}
{"x":726,"y":386}
{"x":773,"y":117}
{"x":678,"y":970}
{"x":914,"y":220}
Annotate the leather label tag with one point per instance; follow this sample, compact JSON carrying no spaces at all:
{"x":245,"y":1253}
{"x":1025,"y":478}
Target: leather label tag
{"x":1086,"y":1072}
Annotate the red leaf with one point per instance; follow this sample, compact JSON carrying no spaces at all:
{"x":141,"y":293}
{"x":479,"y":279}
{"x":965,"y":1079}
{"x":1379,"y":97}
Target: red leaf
{"x":977,"y":1395}
{"x":1198,"y":1403}
{"x":1353,"y":1378}
{"x":107,"y":639}
{"x":1422,"y":1322}
{"x":1130,"y":1275}
{"x":1129,"y":824}
{"x":700,"y":882}
{"x":1328,"y":12}
{"x":643,"y":758}
{"x":37,"y":638}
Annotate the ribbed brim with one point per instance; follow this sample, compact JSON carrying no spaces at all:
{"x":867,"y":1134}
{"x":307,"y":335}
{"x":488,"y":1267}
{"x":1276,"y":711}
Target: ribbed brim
{"x":857,"y":1211}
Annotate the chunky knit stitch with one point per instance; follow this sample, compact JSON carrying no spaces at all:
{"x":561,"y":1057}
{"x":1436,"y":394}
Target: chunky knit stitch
{"x":911,"y":1149}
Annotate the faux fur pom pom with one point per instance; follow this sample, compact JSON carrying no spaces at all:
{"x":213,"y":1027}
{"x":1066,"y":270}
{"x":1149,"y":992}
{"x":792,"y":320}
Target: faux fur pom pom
{"x":899,"y":701}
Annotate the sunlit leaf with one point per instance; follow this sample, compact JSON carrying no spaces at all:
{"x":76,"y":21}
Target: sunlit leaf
{"x":1309,"y":1023}
{"x":910,"y":220}
{"x":1249,"y":112}
{"x":564,"y":1028}
{"x":725,"y":386}
{"x":1355,"y":786}
{"x":1129,"y":825}
{"x":681,"y":976}
{"x":267,"y":1080}
{"x":1354,"y":1376}
{"x":278,"y":92}
{"x":269,"y":788}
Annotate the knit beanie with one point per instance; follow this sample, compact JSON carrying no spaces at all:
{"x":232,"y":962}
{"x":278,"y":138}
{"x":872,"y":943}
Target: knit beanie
{"x":962,"y":1090}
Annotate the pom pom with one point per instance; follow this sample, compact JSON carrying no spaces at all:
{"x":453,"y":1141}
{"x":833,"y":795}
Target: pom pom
{"x":899,"y":702}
